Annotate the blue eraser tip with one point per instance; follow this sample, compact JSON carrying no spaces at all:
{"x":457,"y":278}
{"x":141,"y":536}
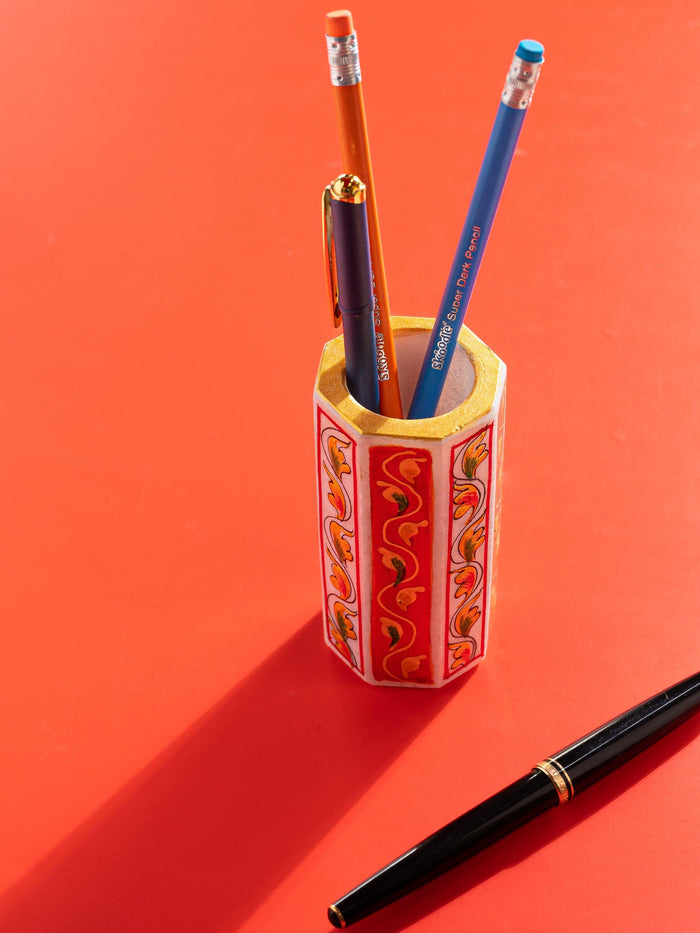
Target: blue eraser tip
{"x":530,"y":50}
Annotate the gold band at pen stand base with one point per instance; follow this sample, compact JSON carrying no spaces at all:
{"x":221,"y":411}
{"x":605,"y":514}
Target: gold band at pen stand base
{"x":559,"y":777}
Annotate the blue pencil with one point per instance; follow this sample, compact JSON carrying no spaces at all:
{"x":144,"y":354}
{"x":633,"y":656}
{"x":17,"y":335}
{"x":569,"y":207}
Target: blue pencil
{"x":515,"y":101}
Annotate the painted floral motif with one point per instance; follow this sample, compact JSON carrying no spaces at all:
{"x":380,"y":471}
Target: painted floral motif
{"x":341,"y":630}
{"x":337,"y":494}
{"x":378,"y":580}
{"x":469,"y":522}
{"x":401,"y":505}
{"x":497,"y":497}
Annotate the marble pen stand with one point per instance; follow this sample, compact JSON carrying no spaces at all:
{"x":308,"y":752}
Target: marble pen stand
{"x":409,"y":515}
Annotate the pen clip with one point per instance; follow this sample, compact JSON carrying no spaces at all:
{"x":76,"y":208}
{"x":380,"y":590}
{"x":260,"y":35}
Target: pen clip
{"x":329,"y":250}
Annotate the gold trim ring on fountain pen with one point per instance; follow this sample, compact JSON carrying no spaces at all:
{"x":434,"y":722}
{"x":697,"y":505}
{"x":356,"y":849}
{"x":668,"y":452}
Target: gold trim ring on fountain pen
{"x":335,"y":917}
{"x":558,"y":775}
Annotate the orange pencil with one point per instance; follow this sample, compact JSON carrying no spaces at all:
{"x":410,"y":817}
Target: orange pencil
{"x":352,"y":128}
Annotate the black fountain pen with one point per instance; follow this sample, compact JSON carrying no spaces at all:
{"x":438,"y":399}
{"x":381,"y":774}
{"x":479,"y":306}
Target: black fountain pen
{"x":550,"y":783}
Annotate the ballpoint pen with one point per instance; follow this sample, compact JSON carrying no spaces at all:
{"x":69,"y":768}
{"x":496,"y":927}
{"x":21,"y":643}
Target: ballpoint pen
{"x":349,"y":271}
{"x":551,"y":782}
{"x":515,"y":101}
{"x":344,"y":62}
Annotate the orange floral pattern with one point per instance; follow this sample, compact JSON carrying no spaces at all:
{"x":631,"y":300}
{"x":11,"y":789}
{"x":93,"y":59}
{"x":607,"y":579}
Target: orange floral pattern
{"x":337,"y":495}
{"x":474,"y":453}
{"x":379,"y":582}
{"x":471,"y":540}
{"x":469,"y":524}
{"x":401,"y":525}
{"x":341,"y":630}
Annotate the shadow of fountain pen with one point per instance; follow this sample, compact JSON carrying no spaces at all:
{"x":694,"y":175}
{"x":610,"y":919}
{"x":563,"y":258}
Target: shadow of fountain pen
{"x":551,"y":782}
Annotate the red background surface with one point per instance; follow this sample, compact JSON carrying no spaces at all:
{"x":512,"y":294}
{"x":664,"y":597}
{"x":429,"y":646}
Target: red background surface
{"x":180,"y":752}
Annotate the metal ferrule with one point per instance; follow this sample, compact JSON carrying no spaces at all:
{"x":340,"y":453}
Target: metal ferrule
{"x":520,"y":83}
{"x":344,"y":59}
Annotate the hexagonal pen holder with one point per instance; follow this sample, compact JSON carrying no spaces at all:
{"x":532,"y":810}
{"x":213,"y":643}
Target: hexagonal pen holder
{"x":409,"y":515}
